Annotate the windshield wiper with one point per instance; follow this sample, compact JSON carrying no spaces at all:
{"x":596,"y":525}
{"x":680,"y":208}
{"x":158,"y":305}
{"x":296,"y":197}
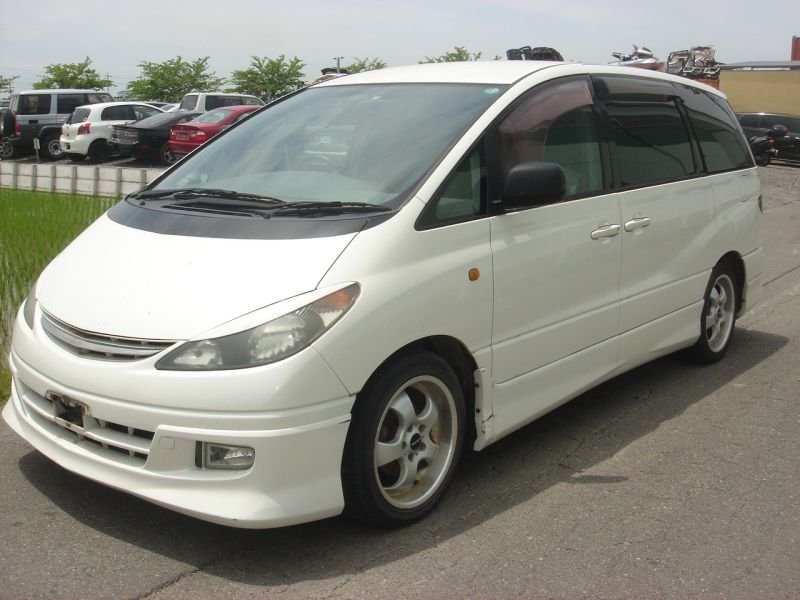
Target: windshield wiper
{"x":308,"y":209}
{"x":194,"y":193}
{"x":232,"y":202}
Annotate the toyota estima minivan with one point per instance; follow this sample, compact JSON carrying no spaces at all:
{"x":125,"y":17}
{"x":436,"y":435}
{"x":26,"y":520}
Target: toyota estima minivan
{"x":318,"y":311}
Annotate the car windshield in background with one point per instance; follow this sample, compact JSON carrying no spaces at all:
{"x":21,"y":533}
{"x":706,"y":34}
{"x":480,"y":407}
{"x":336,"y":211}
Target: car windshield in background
{"x":353,"y":143}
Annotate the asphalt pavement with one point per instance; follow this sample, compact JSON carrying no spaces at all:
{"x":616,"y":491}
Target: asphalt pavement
{"x":671,"y":481}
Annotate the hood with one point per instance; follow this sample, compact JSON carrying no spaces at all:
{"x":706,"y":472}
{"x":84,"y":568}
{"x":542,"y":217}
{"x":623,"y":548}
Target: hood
{"x":121,"y":281}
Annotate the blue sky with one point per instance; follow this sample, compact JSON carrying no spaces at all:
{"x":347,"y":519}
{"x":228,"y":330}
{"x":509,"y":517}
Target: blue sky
{"x":118,"y":36}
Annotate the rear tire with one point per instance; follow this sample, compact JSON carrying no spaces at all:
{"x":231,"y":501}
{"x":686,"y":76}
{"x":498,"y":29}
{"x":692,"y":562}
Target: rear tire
{"x":98,"y":151}
{"x":50,"y":147}
{"x":166,"y":155}
{"x":718,"y":319}
{"x":404,"y":442}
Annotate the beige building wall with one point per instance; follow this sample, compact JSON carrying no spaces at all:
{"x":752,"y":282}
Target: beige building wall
{"x":762,"y":91}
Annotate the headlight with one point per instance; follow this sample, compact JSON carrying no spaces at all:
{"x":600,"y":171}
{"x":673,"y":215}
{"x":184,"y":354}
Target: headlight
{"x":267,"y":343}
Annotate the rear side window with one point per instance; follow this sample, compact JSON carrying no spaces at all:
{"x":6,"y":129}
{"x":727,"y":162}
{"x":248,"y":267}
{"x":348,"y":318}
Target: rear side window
{"x":67,"y":103}
{"x":652,"y":143}
{"x":189,"y":102}
{"x":721,"y":143}
{"x":116,"y":113}
{"x":34,"y":104}
{"x":217,"y":101}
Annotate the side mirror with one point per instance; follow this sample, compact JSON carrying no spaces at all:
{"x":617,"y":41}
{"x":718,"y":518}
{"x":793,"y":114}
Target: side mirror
{"x":533,"y":184}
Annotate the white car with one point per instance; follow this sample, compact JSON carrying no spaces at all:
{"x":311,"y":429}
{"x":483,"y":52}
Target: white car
{"x":87,"y":131}
{"x":317,"y":311}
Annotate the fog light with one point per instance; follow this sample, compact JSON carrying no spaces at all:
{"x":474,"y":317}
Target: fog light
{"x":220,"y":456}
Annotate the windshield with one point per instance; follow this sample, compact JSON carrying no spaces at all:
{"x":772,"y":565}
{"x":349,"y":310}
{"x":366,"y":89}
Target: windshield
{"x":356,"y":143}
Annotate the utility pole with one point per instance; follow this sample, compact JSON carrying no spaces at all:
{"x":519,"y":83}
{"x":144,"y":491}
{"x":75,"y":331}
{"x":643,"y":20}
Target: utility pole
{"x":338,"y":60}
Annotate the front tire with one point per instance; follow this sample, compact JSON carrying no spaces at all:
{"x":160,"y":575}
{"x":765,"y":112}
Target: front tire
{"x":405,"y":440}
{"x":718,"y":319}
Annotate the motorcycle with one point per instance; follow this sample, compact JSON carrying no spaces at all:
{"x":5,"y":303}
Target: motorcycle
{"x":640,"y":57}
{"x":766,"y":147}
{"x":697,"y":63}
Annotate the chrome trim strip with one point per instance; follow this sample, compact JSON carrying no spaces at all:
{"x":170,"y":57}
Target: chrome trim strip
{"x":96,"y":345}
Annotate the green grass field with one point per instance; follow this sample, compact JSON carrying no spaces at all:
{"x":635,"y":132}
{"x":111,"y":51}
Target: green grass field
{"x":34,"y":227}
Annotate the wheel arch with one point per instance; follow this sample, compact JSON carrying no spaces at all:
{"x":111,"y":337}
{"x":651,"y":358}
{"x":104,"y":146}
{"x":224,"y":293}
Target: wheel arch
{"x":735,"y":261}
{"x":456,"y":355}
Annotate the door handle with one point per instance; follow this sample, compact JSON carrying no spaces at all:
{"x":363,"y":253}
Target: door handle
{"x":605,"y":231}
{"x":637,"y":223}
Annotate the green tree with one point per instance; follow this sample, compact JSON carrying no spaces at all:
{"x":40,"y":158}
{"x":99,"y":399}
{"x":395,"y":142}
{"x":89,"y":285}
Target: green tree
{"x":72,"y":75}
{"x":365,"y":64}
{"x":173,"y":78}
{"x":458,"y":54}
{"x":269,"y":77}
{"x":5,"y":82}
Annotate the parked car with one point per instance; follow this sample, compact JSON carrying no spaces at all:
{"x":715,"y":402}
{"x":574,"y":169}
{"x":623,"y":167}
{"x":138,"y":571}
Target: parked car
{"x":39,"y":115}
{"x":203,"y":101}
{"x":88,"y":129}
{"x":760,"y":125}
{"x":148,"y":138}
{"x":185,"y":137}
{"x":317,"y":311}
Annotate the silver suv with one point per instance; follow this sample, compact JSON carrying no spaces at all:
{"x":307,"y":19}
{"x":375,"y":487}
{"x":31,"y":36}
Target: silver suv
{"x":39,"y":114}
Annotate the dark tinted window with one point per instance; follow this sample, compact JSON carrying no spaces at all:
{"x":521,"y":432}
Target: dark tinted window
{"x":749,"y":120}
{"x":652,"y":144}
{"x":34,"y":104}
{"x":721,"y":143}
{"x":555,"y":123}
{"x":217,"y":101}
{"x":791,"y":123}
{"x":116,"y":113}
{"x":67,"y":103}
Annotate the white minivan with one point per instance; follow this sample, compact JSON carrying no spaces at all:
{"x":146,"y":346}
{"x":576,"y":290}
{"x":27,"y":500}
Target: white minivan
{"x":316,"y":312}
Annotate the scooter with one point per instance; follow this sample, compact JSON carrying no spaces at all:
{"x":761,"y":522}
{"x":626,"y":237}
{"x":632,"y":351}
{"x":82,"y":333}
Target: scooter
{"x":765,"y":147}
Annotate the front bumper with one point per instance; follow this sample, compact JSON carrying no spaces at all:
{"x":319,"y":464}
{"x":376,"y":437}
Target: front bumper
{"x":147,"y":447}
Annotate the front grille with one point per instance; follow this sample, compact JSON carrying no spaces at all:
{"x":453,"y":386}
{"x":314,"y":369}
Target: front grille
{"x":72,"y":421}
{"x":100,"y":346}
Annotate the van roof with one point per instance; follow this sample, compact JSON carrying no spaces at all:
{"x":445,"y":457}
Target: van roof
{"x":60,"y":91}
{"x":499,"y":72}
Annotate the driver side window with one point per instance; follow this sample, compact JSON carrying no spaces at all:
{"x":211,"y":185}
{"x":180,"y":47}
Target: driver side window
{"x":555,"y":123}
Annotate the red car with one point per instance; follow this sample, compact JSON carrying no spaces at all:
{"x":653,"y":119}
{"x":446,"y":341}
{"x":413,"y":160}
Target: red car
{"x":185,"y":137}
